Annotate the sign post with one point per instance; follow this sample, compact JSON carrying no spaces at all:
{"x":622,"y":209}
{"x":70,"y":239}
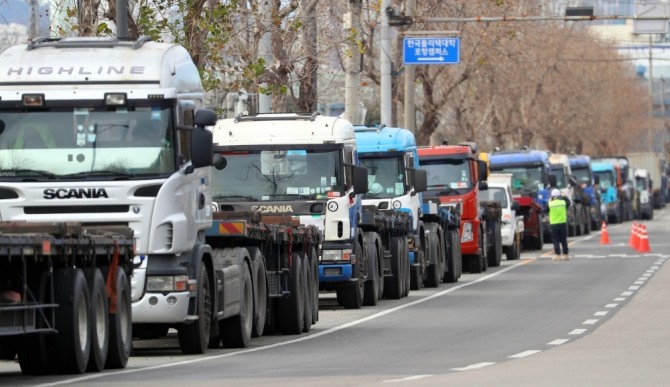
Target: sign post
{"x":416,"y":51}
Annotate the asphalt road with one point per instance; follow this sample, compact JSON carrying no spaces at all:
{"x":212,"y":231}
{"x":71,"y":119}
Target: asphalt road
{"x":598,"y":319}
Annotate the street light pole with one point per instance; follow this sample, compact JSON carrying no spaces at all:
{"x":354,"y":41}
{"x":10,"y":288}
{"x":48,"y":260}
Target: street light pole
{"x":385,"y":64}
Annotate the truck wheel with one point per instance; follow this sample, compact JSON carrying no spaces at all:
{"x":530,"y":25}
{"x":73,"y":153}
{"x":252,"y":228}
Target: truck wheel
{"x":415,"y":278}
{"x":405,"y":261}
{"x":494,"y":254}
{"x":513,"y":251}
{"x":292,"y":310}
{"x":120,"y":324}
{"x":353,"y":293}
{"x":260,"y":298}
{"x":99,"y":321}
{"x":393,"y":283}
{"x":435,"y":270}
{"x":453,"y":257}
{"x":33,"y":350}
{"x":371,"y":291}
{"x":236,"y":331}
{"x":194,"y":337}
{"x":309,"y":293}
{"x":314,"y":267}
{"x":476,"y":263}
{"x":73,"y":321}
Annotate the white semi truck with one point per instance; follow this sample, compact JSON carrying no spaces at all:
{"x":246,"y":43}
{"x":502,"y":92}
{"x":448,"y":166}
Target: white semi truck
{"x":104,"y":132}
{"x":500,"y":190}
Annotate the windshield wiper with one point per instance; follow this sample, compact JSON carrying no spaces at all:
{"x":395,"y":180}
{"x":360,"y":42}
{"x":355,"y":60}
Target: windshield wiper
{"x":100,"y":172}
{"x":448,"y":191}
{"x":15,"y":172}
{"x":235,"y":198}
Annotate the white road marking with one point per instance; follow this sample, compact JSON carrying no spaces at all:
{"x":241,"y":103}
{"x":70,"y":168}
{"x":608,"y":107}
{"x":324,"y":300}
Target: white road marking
{"x":611,"y":305}
{"x":601,"y":313}
{"x":577,"y":331}
{"x":627,"y":293}
{"x":525,"y":354}
{"x":590,"y":321}
{"x":407,"y":379}
{"x":633,"y":287}
{"x":473,"y":366}
{"x":619,"y":255}
{"x":620,"y":299}
{"x":558,"y":342}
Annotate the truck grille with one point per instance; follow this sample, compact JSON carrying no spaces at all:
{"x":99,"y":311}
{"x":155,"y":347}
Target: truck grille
{"x":41,"y":210}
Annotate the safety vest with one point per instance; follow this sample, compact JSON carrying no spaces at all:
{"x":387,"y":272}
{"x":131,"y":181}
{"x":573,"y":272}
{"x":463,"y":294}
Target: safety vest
{"x":44,"y":134}
{"x":557,"y":211}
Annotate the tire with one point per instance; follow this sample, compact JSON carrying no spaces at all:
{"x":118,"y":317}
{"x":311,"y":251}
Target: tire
{"x":434,"y":271}
{"x":292,"y":310}
{"x":308,"y":293}
{"x":393,"y":284}
{"x":371,"y":291}
{"x":33,"y":350}
{"x":405,"y":261}
{"x":513,"y":252}
{"x":495,"y":254}
{"x":73,"y":321}
{"x":236,"y":331}
{"x":194,"y":337}
{"x":353,"y":293}
{"x":99,"y":321}
{"x":260,"y":287}
{"x":314,"y":265}
{"x":453,"y":257}
{"x":120,"y":324}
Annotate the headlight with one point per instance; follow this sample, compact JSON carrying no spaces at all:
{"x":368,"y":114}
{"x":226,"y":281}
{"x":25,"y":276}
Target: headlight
{"x":336,"y":255}
{"x":397,"y":204}
{"x":467,"y":233}
{"x":178,"y":283}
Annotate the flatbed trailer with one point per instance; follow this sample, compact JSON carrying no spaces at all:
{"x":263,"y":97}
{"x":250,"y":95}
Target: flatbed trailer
{"x":71,"y":307}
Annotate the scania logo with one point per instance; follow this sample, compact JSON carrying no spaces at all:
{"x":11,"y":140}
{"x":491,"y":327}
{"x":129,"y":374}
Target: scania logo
{"x":266,"y":209}
{"x":75,"y":193}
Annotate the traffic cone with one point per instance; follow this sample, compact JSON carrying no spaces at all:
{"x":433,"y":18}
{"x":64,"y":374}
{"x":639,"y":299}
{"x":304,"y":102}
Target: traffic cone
{"x":634,"y":241}
{"x":604,"y":235}
{"x":643,"y":246}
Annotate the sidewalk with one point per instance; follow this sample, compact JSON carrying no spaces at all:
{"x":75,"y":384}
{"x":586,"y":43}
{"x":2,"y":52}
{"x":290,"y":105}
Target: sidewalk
{"x":630,"y":349}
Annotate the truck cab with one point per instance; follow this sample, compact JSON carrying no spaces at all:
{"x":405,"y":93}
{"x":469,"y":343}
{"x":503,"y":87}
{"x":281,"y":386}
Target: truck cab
{"x":578,"y":217}
{"x":644,"y":186}
{"x":500,"y":190}
{"x":531,"y":173}
{"x":609,"y":178}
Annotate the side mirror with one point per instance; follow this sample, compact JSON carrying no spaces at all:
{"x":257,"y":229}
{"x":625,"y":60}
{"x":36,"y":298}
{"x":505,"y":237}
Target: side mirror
{"x":483,"y":186}
{"x":219,"y":162}
{"x":204,"y":117}
{"x":201,"y":148}
{"x":360,"y":175}
{"x":596,"y":179}
{"x":552,"y":181}
{"x":515,"y":205}
{"x":572,"y":180}
{"x":482,"y":170}
{"x":420,"y":180}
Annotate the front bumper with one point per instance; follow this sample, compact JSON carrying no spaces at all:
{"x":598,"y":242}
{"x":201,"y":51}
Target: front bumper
{"x":161,"y":308}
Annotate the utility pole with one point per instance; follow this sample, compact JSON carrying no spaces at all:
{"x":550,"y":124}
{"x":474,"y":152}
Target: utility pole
{"x":651,"y":94}
{"x":265,"y":52}
{"x":352,"y":26}
{"x":410,"y":81}
{"x":385,"y":63}
{"x":122,"y":19}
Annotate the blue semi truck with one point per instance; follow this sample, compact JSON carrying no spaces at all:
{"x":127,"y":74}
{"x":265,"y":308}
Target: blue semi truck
{"x":396,"y":181}
{"x":531,"y":180}
{"x":609,"y":179}
{"x":581,"y":170}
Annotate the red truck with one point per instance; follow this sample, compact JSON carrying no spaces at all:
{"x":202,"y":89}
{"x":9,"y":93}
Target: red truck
{"x":456,"y":176}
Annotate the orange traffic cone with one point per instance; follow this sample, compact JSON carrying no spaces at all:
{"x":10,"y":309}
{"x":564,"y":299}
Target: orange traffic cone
{"x":634,"y":241}
{"x":604,"y":235}
{"x":643,"y":246}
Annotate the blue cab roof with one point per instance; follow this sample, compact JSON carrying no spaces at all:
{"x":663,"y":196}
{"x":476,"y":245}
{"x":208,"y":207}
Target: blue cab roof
{"x":385,"y":139}
{"x":512,"y":157}
{"x":579,"y":161}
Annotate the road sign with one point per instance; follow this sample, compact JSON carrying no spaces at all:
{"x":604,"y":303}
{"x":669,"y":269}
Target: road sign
{"x":431,"y":50}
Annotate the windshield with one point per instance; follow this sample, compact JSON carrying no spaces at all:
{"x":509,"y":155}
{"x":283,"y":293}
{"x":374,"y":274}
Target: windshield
{"x":640,"y":183}
{"x":125,"y":141}
{"x":606,"y":179}
{"x":525,"y":180}
{"x":559,"y":172}
{"x":385,"y":177}
{"x":496,"y":194}
{"x":583,"y":175}
{"x":279,"y":175}
{"x":448,"y":174}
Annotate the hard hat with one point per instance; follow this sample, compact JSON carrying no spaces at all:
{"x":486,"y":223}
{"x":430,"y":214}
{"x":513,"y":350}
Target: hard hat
{"x":555,"y":192}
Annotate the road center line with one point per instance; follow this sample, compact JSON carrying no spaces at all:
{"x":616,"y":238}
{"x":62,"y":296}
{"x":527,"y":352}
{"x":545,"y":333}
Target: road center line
{"x":407,"y":379}
{"x":525,"y":353}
